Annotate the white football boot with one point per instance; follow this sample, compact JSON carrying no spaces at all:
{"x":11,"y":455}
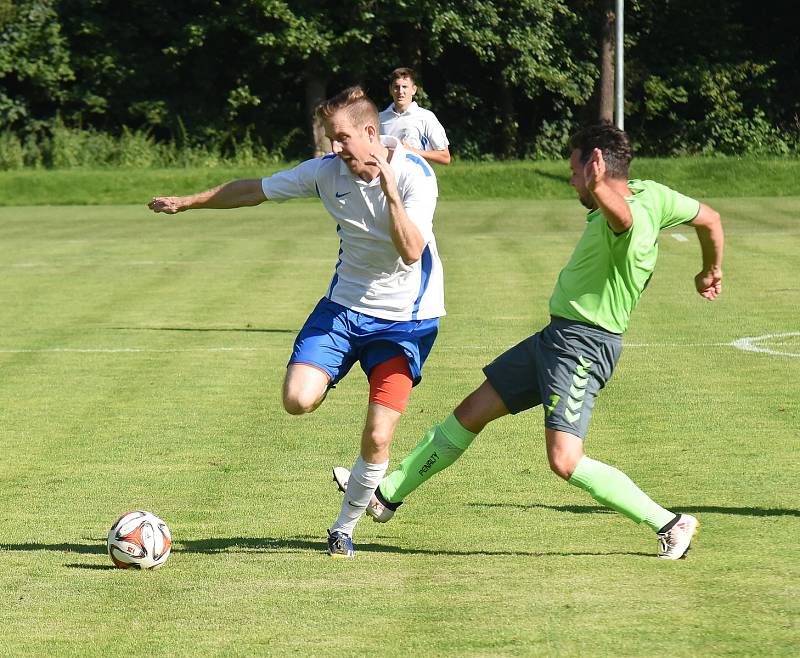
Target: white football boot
{"x":675,"y":543}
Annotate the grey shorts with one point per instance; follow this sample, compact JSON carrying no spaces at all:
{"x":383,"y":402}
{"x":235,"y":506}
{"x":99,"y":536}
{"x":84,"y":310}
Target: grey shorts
{"x":562,"y":367}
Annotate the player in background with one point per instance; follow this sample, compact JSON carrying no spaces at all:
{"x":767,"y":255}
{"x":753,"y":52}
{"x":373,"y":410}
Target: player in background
{"x":564,"y":366}
{"x":418,"y":129}
{"x":382,"y":306}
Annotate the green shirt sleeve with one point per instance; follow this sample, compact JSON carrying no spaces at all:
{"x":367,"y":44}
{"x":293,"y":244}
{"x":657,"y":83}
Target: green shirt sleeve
{"x":676,"y":208}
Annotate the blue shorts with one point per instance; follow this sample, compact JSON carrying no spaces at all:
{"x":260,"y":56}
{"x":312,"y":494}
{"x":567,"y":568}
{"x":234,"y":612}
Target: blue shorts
{"x":334,"y":338}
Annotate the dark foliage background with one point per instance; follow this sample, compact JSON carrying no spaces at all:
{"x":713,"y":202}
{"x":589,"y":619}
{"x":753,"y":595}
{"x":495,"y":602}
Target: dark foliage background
{"x":507,"y":78}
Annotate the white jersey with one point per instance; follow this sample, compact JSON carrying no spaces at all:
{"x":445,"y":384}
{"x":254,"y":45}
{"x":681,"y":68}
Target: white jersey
{"x":370,"y":276}
{"x":417,"y":127}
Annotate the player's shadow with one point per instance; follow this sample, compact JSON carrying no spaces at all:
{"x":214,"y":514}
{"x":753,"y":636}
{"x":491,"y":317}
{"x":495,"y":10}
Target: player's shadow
{"x":308,"y":543}
{"x":91,"y":567}
{"x":694,"y":509}
{"x":298,"y":544}
{"x":211,"y":329}
{"x":96,"y":547}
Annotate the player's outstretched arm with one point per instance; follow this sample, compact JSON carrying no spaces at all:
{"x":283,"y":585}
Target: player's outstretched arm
{"x":708,"y":226}
{"x":235,"y":194}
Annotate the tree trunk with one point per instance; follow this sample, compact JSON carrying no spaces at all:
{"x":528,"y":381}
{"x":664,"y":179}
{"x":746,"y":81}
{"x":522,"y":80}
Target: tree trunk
{"x":315,"y":94}
{"x":606,"y":109}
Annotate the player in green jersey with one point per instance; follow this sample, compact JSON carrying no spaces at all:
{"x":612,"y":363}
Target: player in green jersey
{"x":564,"y":366}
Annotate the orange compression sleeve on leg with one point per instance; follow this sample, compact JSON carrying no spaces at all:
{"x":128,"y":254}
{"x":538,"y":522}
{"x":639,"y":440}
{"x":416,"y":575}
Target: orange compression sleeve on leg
{"x":390,"y":384}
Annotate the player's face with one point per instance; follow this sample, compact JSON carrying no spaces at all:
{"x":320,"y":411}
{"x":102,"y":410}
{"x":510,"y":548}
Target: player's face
{"x":351,"y":143}
{"x":402,"y":91}
{"x":578,"y":180}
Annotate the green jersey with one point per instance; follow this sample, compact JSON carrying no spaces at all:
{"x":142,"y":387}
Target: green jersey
{"x":607,"y":273}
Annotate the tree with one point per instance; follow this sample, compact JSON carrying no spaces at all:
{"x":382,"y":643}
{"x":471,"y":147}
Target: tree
{"x":508,"y":78}
{"x":34,"y":62}
{"x":322,"y":38}
{"x":523,"y":48}
{"x":701,"y":77}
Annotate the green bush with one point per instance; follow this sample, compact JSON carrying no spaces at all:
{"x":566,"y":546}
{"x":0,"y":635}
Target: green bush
{"x":59,"y":146}
{"x":712,"y":109}
{"x":746,"y":136}
{"x":551,"y":142}
{"x":71,"y":147}
{"x":12,"y":154}
{"x":136,"y":149}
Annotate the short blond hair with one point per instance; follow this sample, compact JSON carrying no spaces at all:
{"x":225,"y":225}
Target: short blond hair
{"x":354,"y":100}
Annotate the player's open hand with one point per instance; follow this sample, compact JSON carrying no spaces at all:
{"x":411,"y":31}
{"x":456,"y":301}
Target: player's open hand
{"x":594,"y":171}
{"x":709,"y":283}
{"x":166,"y":204}
{"x":388,"y":181}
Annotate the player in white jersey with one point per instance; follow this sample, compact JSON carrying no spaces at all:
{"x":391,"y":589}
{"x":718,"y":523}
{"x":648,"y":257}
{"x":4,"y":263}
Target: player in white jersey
{"x":382,"y":306}
{"x":418,"y":129}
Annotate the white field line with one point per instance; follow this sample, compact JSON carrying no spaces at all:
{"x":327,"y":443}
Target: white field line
{"x":680,"y":237}
{"x":746,"y":344}
{"x":754,"y":343}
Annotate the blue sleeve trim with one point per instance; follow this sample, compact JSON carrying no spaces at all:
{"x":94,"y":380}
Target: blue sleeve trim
{"x":418,"y":160}
{"x":335,"y":278}
{"x":425,"y":275}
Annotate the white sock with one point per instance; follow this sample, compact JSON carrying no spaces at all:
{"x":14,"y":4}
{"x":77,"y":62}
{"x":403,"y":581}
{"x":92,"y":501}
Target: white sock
{"x":364,"y":479}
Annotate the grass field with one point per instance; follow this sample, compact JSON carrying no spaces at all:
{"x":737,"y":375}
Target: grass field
{"x":527,"y":179}
{"x":141,"y":362}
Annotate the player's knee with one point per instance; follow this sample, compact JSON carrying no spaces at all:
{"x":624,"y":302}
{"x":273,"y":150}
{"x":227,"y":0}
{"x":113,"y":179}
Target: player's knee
{"x":298,"y":403}
{"x":376,"y":439}
{"x":562,"y":463}
{"x":304,"y":388}
{"x":294,"y":407}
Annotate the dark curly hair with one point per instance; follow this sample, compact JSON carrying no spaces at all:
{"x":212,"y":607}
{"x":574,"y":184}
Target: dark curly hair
{"x":612,"y":141}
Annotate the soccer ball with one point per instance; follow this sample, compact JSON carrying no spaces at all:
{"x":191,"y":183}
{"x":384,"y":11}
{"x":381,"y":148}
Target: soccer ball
{"x":140,"y":540}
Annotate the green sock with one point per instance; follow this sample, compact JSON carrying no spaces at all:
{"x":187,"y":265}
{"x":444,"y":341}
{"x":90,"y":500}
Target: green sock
{"x":440,"y":447}
{"x":614,"y":489}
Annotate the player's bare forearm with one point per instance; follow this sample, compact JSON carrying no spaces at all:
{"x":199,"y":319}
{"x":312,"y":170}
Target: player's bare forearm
{"x":708,"y":226}
{"x":235,"y":194}
{"x":710,"y":234}
{"x":406,"y":237}
{"x":440,"y":156}
{"x":613,"y":206}
{"x":607,"y":193}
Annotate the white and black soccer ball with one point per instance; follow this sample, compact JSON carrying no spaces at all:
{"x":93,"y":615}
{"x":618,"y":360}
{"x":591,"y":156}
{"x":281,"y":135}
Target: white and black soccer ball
{"x":139,"y":540}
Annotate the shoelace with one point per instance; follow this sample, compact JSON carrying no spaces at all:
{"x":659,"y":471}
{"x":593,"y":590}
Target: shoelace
{"x":664,"y":538}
